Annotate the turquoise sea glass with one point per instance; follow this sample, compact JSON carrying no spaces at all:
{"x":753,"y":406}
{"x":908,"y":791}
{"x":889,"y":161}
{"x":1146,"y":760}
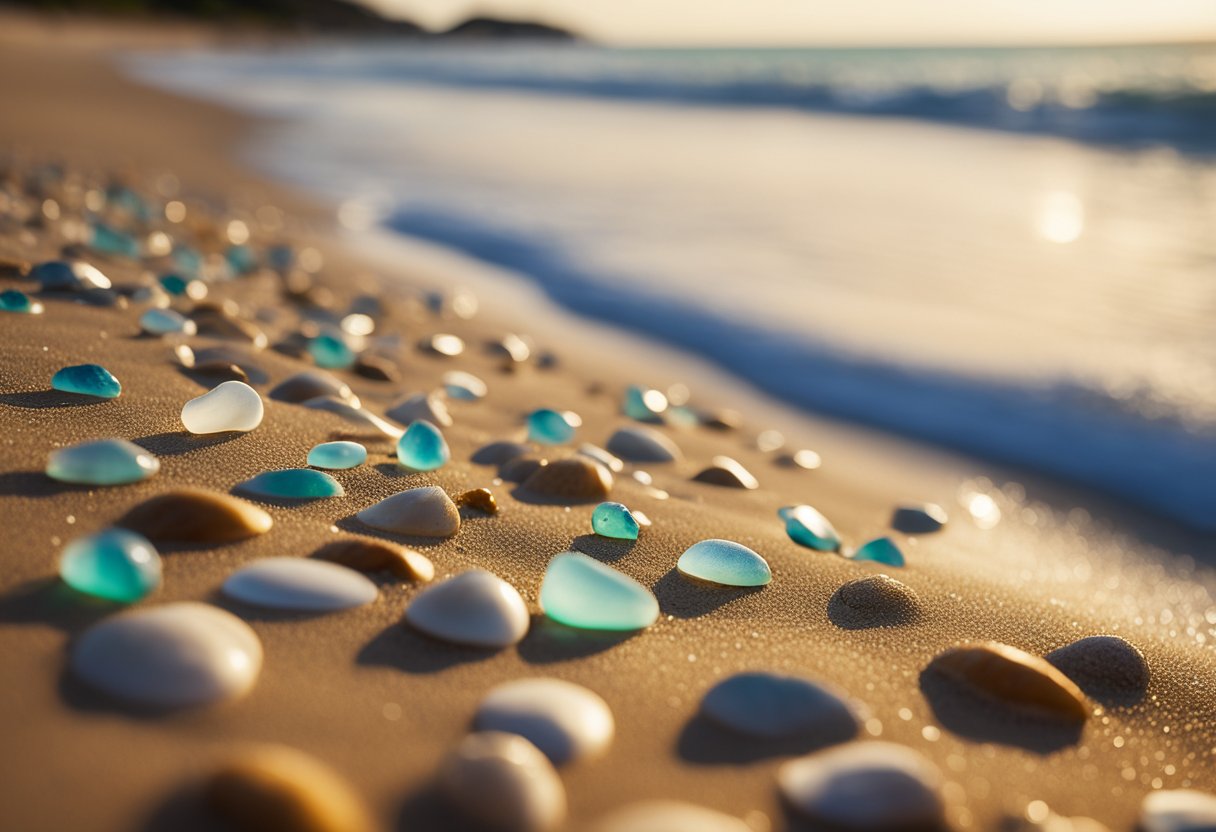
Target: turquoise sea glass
{"x":112,"y":241}
{"x":166,"y":322}
{"x":422,"y":447}
{"x":187,"y":259}
{"x":102,"y":462}
{"x":337,"y":455}
{"x":13,"y":300}
{"x":175,"y":284}
{"x":807,"y":527}
{"x":293,"y":484}
{"x":331,"y":352}
{"x":881,"y":550}
{"x":241,"y":259}
{"x":548,"y":427}
{"x":579,"y":591}
{"x":643,"y":404}
{"x":614,"y":520}
{"x":88,"y":380}
{"x":725,"y":562}
{"x":114,"y":564}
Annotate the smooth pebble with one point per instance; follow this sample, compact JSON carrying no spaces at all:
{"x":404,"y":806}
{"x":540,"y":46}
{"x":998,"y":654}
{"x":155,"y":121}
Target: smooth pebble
{"x":502,"y":782}
{"x":368,"y":555}
{"x":576,"y":479}
{"x":192,"y":515}
{"x":567,"y":722}
{"x":427,"y":407}
{"x":365,"y":420}
{"x":330,"y":351}
{"x":642,"y":444}
{"x":643,"y":404}
{"x":727,"y":472}
{"x":75,"y":276}
{"x":313,"y":384}
{"x":12,"y":300}
{"x":231,"y":406}
{"x":1105,"y":667}
{"x":874,"y":601}
{"x":668,"y":816}
{"x":300,"y":584}
{"x":922,"y":518}
{"x":1178,"y":810}
{"x":424,"y":512}
{"x":770,"y":706}
{"x":475,"y":608}
{"x":172,"y":656}
{"x":1013,"y":678}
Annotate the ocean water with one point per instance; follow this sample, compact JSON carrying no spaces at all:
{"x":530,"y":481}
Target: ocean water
{"x":1006,"y":252}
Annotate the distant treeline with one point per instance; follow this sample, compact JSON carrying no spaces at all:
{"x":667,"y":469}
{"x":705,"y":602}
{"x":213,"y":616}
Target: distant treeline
{"x":319,"y":15}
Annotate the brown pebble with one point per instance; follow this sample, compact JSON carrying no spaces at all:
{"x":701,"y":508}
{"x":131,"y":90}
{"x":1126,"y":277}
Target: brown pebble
{"x":577,"y":478}
{"x":497,"y":453}
{"x":221,"y":370}
{"x":377,"y":368}
{"x":312,"y":384}
{"x":192,"y":515}
{"x":220,"y":321}
{"x":874,"y":601}
{"x":12,"y":267}
{"x":280,"y":789}
{"x":1014,"y":678}
{"x":367,"y":555}
{"x":1108,"y":668}
{"x":722,"y":420}
{"x":727,"y":472}
{"x":481,"y":499}
{"x":520,"y":468}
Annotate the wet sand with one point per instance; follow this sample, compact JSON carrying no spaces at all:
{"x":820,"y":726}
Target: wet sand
{"x":382,"y":704}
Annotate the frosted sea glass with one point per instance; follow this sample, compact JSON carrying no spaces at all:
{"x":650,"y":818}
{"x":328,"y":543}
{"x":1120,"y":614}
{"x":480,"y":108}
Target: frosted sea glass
{"x":115,"y":564}
{"x":725,"y":562}
{"x":102,"y":462}
{"x":807,"y":527}
{"x":548,"y":427}
{"x":614,"y":520}
{"x":881,"y":550}
{"x":422,"y":447}
{"x":337,"y":455}
{"x":293,"y":484}
{"x":579,"y":591}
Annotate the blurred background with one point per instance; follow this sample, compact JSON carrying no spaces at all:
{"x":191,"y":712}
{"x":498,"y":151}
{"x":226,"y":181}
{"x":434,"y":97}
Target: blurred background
{"x":989,"y":225}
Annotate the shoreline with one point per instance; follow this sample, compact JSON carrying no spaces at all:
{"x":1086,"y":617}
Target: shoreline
{"x":328,"y":680}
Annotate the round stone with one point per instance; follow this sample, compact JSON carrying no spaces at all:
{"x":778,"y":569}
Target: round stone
{"x":500,"y":453}
{"x":87,"y":380}
{"x":724,"y":562}
{"x":807,"y":527}
{"x":300,"y":584}
{"x":114,"y":564}
{"x":422,"y":447}
{"x":576,"y":479}
{"x":313,"y":384}
{"x":102,"y":462}
{"x":425,"y":407}
{"x":579,"y":591}
{"x":503,"y":783}
{"x":1178,"y":810}
{"x":337,"y":455}
{"x":615,"y":521}
{"x":1013,"y":678}
{"x":1104,"y":666}
{"x":770,"y":706}
{"x":567,"y":722}
{"x":642,"y":444}
{"x":232,"y":406}
{"x":172,"y":656}
{"x":474,"y":608}
{"x":293,"y":484}
{"x":598,"y":454}
{"x":423,"y":512}
{"x":865,"y":786}
{"x":874,"y":601}
{"x":668,"y":816}
{"x":192,"y":515}
{"x":368,"y":555}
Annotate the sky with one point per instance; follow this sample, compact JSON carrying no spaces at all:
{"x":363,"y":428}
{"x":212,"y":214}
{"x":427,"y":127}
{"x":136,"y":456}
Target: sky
{"x":862,"y":22}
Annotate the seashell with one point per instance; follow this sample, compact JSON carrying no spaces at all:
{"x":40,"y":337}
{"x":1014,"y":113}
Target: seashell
{"x":501,"y":782}
{"x":192,"y":515}
{"x":727,"y":472}
{"x":1014,"y":678}
{"x":874,"y":601}
{"x":278,"y":788}
{"x":422,"y":512}
{"x":368,"y":555}
{"x":642,"y":444}
{"x":575,"y":479}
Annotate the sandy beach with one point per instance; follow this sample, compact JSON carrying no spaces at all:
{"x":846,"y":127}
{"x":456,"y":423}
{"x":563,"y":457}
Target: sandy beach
{"x":383,"y":704}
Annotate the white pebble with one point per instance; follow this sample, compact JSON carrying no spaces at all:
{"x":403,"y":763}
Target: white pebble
{"x":300,"y":584}
{"x":504,"y":783}
{"x":1178,"y":810}
{"x":474,"y":608}
{"x":566,"y":721}
{"x":233,"y":405}
{"x":668,"y":816}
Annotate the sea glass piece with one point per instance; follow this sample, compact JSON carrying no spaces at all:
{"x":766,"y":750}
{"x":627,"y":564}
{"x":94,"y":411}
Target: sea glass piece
{"x":579,"y":591}
{"x":179,"y":286}
{"x":725,"y":562}
{"x":114,"y":564}
{"x":170,"y":656}
{"x":807,"y":527}
{"x":549,"y":427}
{"x":614,"y":520}
{"x":293,"y":484}
{"x":331,"y":351}
{"x":464,"y":386}
{"x":13,"y":300}
{"x":337,"y":455}
{"x":422,"y":447}
{"x":475,"y":608}
{"x":231,"y":406}
{"x":166,"y":322}
{"x":110,"y":240}
{"x":881,"y":550}
{"x":88,"y":380}
{"x":300,"y":584}
{"x":644,"y":404}
{"x":102,"y":462}
{"x":76,"y":276}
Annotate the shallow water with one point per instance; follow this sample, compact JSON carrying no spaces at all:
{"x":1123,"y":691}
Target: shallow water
{"x":1039,"y":291}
